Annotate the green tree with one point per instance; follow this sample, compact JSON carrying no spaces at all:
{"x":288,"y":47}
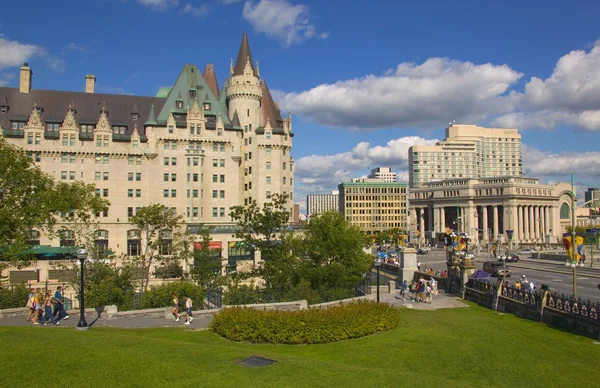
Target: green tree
{"x":332,"y":251}
{"x":159,"y":228}
{"x":206,"y":269}
{"x":31,"y":199}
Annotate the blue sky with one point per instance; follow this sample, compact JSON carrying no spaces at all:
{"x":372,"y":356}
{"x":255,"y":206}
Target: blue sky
{"x":363,"y":80}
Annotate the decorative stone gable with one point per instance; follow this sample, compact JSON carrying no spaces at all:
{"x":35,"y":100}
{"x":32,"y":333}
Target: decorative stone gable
{"x":219,"y":123}
{"x":103,"y":123}
{"x":171,"y":121}
{"x":195,"y":114}
{"x":70,"y":121}
{"x":35,"y":122}
{"x":248,"y":69}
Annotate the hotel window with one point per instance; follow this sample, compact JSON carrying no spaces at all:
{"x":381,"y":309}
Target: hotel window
{"x":195,"y":193}
{"x":105,"y":141}
{"x":165,"y":193}
{"x":97,"y":192}
{"x":173,"y":161}
{"x":63,"y":175}
{"x":250,"y":140}
{"x":105,"y":159}
{"x":268,"y":150}
{"x":119,"y":130}
{"x":171,"y":128}
{"x":173,"y":177}
{"x":284,"y":180}
{"x":215,"y":211}
{"x":215,"y":193}
{"x":30,"y":138}
{"x":98,"y":176}
{"x":135,"y":143}
{"x":105,"y":176}
{"x":222,"y":148}
{"x":268,"y":134}
{"x":268,"y":165}
{"x":138,"y":193}
{"x":219,"y":132}
{"x":221,"y":193}
{"x":268,"y":195}
{"x":195,"y":212}
{"x":167,"y":145}
{"x":268,"y":180}
{"x":222,"y":212}
{"x":129,"y":176}
{"x":105,"y":192}
{"x":284,"y":152}
{"x":71,"y":158}
{"x":98,"y":159}
{"x":215,"y":178}
{"x":166,"y":177}
{"x":195,"y":177}
{"x":72,"y":175}
{"x":195,"y":161}
{"x":130,"y":193}
{"x":284,"y":165}
{"x":166,"y":161}
{"x":138,"y":176}
{"x":215,"y":147}
{"x":222,"y":179}
{"x":215,"y":162}
{"x":173,"y":146}
{"x":221,"y":162}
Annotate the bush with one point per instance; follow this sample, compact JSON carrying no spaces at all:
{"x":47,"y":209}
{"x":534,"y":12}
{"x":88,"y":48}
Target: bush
{"x":311,"y":326}
{"x":161,"y":296}
{"x":13,"y":297}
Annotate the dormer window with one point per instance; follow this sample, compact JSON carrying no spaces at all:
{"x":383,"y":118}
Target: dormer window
{"x":192,"y":93}
{"x":207,"y":106}
{"x":119,"y":130}
{"x":3,"y":109}
{"x":135,"y":116}
{"x":87,"y":128}
{"x":179,"y":104}
{"x":52,"y":127}
{"x":39,"y":110}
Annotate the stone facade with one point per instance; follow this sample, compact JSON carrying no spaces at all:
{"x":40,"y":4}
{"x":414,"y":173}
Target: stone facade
{"x":197,"y":150}
{"x":485,"y":208}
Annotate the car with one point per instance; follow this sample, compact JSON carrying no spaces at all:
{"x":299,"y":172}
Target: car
{"x":496,"y":268}
{"x":509,"y":258}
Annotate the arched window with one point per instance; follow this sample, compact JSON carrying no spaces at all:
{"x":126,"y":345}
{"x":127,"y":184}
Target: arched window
{"x":134,"y":242}
{"x":33,"y":237}
{"x":165,"y":242}
{"x":101,"y":241}
{"x":67,"y":238}
{"x":565,"y":212}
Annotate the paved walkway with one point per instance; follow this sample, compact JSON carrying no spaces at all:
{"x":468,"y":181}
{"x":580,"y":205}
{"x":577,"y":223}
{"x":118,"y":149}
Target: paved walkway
{"x":440,"y":301}
{"x":200,"y":322}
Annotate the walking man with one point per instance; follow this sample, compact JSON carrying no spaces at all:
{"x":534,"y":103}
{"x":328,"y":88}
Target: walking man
{"x":188,"y":311}
{"x":59,"y":306}
{"x":403,"y":288}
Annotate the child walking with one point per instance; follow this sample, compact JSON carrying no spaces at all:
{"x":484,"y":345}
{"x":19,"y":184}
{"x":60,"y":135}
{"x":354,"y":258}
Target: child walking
{"x":188,"y":311}
{"x":175,"y":307}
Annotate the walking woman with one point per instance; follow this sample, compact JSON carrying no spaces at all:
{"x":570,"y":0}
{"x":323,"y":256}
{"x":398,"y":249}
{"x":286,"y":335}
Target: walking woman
{"x":188,"y":310}
{"x":48,"y":310}
{"x":175,"y":307}
{"x":37,"y":302}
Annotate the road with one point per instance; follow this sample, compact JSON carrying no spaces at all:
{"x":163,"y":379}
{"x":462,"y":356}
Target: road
{"x":558,"y":277}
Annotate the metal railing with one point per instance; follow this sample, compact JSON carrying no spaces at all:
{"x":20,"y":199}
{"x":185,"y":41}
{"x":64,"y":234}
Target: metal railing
{"x":574,"y":306}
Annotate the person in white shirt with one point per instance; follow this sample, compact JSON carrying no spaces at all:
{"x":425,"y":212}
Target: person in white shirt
{"x":531,"y":286}
{"x":188,"y":310}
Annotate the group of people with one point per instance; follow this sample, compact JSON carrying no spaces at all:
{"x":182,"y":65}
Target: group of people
{"x":421,"y":291}
{"x":44,"y":307}
{"x":524,"y":284}
{"x":188,"y":309}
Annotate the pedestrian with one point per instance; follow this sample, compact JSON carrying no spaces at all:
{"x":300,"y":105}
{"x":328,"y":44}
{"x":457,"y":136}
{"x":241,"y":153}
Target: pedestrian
{"x":531,"y":287}
{"x":188,"y":311}
{"x":418,"y":266}
{"x":403,"y":288}
{"x":434,"y":286}
{"x":38,"y":302}
{"x":30,"y":305}
{"x":59,"y":306}
{"x":428,"y":291}
{"x":48,"y":310}
{"x":412,"y":290}
{"x":175,"y":307}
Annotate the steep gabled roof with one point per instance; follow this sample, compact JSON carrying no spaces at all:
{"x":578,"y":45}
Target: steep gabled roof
{"x":243,"y":55}
{"x":269,"y":110}
{"x":210,"y":77}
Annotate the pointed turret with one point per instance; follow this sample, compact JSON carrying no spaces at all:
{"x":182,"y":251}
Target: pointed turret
{"x":244,"y":56}
{"x":236,"y":121}
{"x":269,"y":109}
{"x":151,"y":117}
{"x":210,"y":77}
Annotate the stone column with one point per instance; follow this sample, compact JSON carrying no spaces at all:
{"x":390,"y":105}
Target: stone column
{"x":408,"y":265}
{"x":443,"y":219}
{"x":495,"y":224}
{"x":531,"y":223}
{"x":514,"y":217}
{"x":519,"y":229}
{"x":422,"y":224}
{"x":430,"y":217}
{"x":484,"y":226}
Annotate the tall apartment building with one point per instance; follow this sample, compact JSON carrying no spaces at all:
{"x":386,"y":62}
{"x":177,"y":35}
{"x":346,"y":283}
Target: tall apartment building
{"x":374,"y":205}
{"x":468,"y":151}
{"x":592,"y":195}
{"x":383,"y":173}
{"x":320,"y":203}
{"x":196,"y":148}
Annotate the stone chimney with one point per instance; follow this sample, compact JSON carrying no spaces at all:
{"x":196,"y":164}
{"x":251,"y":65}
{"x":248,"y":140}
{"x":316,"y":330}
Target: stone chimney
{"x":90,"y":83}
{"x":25,"y":79}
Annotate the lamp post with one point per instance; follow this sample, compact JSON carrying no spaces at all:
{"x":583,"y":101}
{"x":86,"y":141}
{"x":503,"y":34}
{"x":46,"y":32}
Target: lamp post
{"x":573,"y":238}
{"x":82,"y":254}
{"x":377,"y":265}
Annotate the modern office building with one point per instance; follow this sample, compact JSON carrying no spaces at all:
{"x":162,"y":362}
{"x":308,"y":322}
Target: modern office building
{"x":468,"y":151}
{"x":374,"y":205}
{"x":592,"y":197}
{"x":196,"y":148}
{"x":486,"y":208}
{"x":320,"y":203}
{"x":383,"y":173}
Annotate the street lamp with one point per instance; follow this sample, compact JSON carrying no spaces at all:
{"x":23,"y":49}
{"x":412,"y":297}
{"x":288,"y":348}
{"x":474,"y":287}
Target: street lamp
{"x":82,"y":254}
{"x":377,"y":265}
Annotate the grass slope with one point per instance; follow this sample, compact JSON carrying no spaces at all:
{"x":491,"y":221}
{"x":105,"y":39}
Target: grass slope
{"x":471,"y":347}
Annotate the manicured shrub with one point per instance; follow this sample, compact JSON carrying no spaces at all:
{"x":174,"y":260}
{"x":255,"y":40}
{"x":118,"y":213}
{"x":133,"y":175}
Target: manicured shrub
{"x":311,"y":326}
{"x":13,"y":296}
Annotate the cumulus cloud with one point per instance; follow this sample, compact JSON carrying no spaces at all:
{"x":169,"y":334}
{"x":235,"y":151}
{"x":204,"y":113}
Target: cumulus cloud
{"x":322,"y":173}
{"x":158,"y":4}
{"x":412,"y":95}
{"x":537,"y":163}
{"x":199,"y":11}
{"x":569,"y":97}
{"x":13,"y":53}
{"x":281,"y":20}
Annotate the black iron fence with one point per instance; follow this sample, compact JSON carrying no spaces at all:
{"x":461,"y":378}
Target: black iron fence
{"x":574,"y":306}
{"x":481,"y":286}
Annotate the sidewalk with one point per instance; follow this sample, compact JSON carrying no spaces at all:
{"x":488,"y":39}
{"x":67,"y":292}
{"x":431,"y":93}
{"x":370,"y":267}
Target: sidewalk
{"x":201,"y":322}
{"x":440,"y":301}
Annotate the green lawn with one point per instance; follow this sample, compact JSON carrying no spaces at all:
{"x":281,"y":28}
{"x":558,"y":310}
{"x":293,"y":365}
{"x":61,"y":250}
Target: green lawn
{"x":471,"y":347}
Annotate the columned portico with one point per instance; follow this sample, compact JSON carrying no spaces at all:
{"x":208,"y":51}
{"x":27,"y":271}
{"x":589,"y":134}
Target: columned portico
{"x":485,"y":226}
{"x":495,"y":222}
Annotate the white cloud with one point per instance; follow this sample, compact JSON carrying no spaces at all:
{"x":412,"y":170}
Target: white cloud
{"x":227,"y":2}
{"x":72,"y":46}
{"x":412,"y":95}
{"x":569,"y":97}
{"x":320,"y":174}
{"x":159,"y":4}
{"x":55,"y":64}
{"x":279,"y":19}
{"x":543,"y":164}
{"x":13,"y":53}
{"x":199,"y":11}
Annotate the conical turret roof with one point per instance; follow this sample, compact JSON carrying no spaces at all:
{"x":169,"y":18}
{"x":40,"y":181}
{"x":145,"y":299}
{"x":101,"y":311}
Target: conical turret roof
{"x":210,"y":77}
{"x":243,"y":55}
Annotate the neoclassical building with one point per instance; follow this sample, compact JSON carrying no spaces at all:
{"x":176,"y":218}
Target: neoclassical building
{"x":197,"y":148}
{"x":486,"y":208}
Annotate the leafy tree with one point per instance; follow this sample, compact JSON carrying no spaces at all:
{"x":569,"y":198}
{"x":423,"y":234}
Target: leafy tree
{"x":206,"y":269}
{"x":159,"y":228}
{"x":264,"y":229}
{"x":389,"y":236}
{"x":333,"y":254}
{"x":31,"y":199}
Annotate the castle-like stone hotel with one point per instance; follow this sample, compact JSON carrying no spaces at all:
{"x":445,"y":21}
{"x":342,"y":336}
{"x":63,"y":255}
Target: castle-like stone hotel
{"x":195,"y":148}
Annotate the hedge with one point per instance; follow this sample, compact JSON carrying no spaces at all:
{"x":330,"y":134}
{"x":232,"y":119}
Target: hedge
{"x":311,"y":326}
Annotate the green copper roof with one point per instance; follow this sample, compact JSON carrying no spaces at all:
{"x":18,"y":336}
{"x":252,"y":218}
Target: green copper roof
{"x":163,"y":92}
{"x":151,"y":117}
{"x":191,"y":79}
{"x":379,"y":184}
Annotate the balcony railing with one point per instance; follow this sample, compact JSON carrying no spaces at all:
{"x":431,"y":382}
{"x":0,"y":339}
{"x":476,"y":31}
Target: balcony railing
{"x":86,"y":136}
{"x":13,"y":133}
{"x":120,"y":137}
{"x":54,"y":135}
